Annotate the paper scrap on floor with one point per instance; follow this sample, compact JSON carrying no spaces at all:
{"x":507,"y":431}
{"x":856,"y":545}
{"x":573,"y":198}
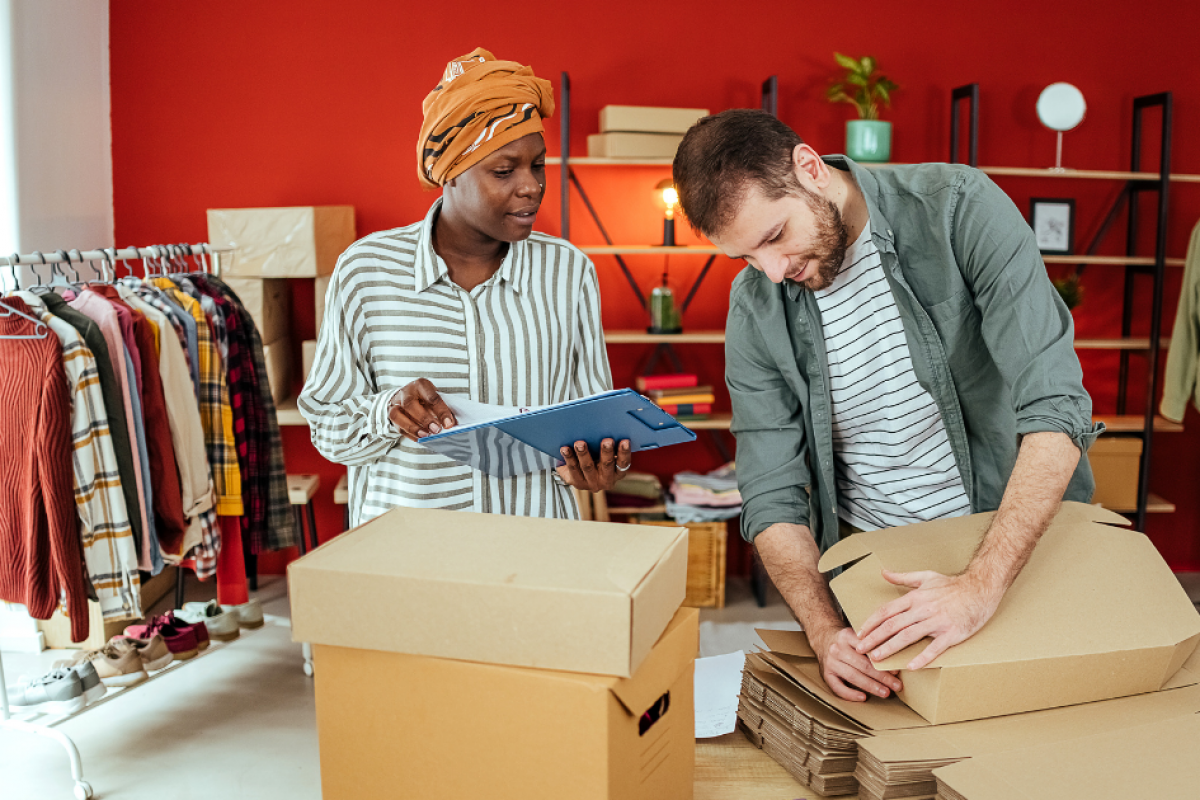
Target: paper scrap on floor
{"x":718,"y":680}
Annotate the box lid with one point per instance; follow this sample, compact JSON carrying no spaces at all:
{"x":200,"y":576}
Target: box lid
{"x":545,"y":593}
{"x":1089,"y":588}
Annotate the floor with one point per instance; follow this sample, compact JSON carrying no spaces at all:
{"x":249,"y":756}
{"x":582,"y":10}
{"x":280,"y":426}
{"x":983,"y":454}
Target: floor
{"x":239,"y":722}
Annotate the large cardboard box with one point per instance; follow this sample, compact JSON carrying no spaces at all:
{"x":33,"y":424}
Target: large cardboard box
{"x":393,"y":725}
{"x":293,"y":242}
{"x":268,"y":302}
{"x":320,"y":290}
{"x":1116,"y":462}
{"x":278,"y":359}
{"x":649,"y":119}
{"x":633,"y":145}
{"x":528,"y":592}
{"x":308,"y":357}
{"x":1095,"y":614}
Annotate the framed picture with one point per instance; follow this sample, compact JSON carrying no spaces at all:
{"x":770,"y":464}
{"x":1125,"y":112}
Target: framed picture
{"x":1053,"y":221}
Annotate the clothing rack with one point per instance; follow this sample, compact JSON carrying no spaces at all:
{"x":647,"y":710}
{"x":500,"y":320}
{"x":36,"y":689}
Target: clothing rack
{"x":157,"y":259}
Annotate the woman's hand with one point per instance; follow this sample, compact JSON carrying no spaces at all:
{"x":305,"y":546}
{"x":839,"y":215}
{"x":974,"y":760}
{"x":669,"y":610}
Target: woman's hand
{"x":418,"y":410}
{"x":584,"y":472}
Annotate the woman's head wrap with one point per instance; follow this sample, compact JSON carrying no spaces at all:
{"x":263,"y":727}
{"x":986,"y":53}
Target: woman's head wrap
{"x":481,"y":105}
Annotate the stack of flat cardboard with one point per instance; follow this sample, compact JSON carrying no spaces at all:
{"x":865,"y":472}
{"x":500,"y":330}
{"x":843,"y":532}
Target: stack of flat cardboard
{"x":641,"y":131}
{"x":1095,"y":634}
{"x":476,"y":655}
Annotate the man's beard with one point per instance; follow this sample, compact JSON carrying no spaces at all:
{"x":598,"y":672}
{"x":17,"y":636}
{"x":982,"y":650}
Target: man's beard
{"x":830,"y":241}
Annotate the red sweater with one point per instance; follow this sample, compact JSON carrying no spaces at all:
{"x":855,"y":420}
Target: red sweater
{"x":41,"y":554}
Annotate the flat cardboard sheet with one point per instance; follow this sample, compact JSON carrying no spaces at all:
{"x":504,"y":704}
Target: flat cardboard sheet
{"x":1095,"y":614}
{"x":1157,"y":760}
{"x":544,"y":593}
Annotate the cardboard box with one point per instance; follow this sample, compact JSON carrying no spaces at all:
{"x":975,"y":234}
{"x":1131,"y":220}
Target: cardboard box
{"x":308,"y":355}
{"x":268,"y":302}
{"x":1116,"y":463}
{"x":649,"y":119}
{"x":1156,"y":760}
{"x":278,"y":358}
{"x":320,"y":289}
{"x":393,"y":725}
{"x":633,"y":145}
{"x":527,"y":592}
{"x":706,"y":561}
{"x":294,"y":242}
{"x":1096,"y":613}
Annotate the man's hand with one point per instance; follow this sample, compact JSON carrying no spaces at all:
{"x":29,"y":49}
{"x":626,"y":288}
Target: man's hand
{"x":581,"y":470}
{"x":950,"y":609}
{"x":418,"y":410}
{"x":846,"y":670}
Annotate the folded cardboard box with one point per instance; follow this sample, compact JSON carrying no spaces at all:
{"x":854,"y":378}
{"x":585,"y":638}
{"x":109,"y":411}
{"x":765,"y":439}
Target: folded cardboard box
{"x":392,"y":725}
{"x":291,"y":242}
{"x":268,"y":302}
{"x":1116,"y":463}
{"x":649,"y":119}
{"x":528,"y":592}
{"x":633,"y":145}
{"x":1096,"y":613}
{"x":1155,"y":760}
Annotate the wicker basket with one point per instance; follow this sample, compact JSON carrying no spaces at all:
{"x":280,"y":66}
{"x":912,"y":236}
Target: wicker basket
{"x":706,"y":562}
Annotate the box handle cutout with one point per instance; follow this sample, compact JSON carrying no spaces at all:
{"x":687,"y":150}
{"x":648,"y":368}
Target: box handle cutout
{"x":654,"y":714}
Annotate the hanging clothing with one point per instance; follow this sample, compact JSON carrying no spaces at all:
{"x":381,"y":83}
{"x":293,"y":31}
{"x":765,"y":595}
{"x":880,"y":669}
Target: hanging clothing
{"x":105,"y":533}
{"x":151,"y":560}
{"x":1183,"y":358}
{"x":40,"y":553}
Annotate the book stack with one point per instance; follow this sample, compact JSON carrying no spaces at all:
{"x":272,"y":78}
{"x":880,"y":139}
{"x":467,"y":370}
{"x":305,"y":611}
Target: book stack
{"x":678,"y":395}
{"x":641,"y":131}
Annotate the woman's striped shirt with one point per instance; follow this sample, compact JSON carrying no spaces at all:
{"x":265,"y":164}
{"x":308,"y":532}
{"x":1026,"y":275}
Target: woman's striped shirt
{"x":528,"y":336}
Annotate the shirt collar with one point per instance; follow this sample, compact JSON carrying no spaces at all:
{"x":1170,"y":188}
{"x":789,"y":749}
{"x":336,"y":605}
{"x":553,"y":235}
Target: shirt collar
{"x":429,"y":267}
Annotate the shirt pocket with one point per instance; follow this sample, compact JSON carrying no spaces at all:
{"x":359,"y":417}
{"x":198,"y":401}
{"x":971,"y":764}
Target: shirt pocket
{"x":958,"y":324}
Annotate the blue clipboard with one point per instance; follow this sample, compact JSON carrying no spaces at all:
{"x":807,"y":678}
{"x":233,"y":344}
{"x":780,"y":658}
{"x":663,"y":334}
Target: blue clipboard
{"x":531,"y":442}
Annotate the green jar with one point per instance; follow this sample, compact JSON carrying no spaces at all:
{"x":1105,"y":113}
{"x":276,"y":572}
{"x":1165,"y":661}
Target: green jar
{"x":664,"y":315}
{"x":869,"y":140}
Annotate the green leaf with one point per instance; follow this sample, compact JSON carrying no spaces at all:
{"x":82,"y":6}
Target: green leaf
{"x":856,"y":79}
{"x":889,"y":85}
{"x":836,"y":93}
{"x":846,"y":61}
{"x":868,"y":65}
{"x":882,"y":93}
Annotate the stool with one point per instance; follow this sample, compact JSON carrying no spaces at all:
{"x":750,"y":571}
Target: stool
{"x":301,"y":490}
{"x":341,"y":497}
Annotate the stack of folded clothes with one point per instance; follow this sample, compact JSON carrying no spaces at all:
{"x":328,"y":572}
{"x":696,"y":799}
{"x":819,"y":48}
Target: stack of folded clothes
{"x":705,"y":498}
{"x":636,"y":490}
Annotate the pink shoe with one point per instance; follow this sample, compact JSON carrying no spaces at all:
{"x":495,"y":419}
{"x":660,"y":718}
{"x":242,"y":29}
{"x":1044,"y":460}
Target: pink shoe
{"x":198,"y":628}
{"x":180,"y":641}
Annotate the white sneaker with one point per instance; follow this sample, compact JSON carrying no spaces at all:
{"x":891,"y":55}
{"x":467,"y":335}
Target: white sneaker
{"x":249,"y":615}
{"x":57,"y":692}
{"x":222,"y":625}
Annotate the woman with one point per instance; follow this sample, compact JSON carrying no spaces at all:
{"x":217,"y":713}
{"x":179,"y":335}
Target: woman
{"x":469,"y":302}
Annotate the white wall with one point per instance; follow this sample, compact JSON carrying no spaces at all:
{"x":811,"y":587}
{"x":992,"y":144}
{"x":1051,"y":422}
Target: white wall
{"x":56,"y":149}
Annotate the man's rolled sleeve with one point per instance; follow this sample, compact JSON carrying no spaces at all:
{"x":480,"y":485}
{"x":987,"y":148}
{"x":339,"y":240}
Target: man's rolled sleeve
{"x":772,"y":464}
{"x":1027,"y":327}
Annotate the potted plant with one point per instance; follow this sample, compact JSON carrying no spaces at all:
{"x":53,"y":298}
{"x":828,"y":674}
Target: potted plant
{"x":867,"y":138}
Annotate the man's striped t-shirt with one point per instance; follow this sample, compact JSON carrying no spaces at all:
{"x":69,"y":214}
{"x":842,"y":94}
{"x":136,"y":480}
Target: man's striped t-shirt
{"x":892,"y":457}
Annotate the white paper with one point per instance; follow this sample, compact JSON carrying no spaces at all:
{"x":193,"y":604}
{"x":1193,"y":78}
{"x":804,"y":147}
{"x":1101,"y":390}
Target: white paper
{"x":718,"y":683}
{"x":470,"y":413}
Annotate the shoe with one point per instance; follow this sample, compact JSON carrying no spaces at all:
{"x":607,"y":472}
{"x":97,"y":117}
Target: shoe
{"x":57,"y":692}
{"x":90,"y":681}
{"x":249,"y":615}
{"x":113,"y":667}
{"x":180,"y":641}
{"x":198,"y":628}
{"x":222,"y":625}
{"x":153,"y":652}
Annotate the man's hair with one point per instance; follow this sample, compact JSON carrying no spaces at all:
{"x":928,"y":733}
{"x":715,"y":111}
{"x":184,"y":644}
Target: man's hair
{"x":723,"y":155}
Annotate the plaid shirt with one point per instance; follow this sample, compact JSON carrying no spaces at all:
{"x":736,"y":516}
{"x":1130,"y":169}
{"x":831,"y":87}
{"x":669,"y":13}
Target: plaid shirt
{"x":279,"y":530}
{"x":215,"y":410}
{"x":108,"y":549}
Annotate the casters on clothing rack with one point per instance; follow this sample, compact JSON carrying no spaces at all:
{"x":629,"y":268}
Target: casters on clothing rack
{"x":83,"y":790}
{"x":306,"y":648}
{"x":341,"y":497}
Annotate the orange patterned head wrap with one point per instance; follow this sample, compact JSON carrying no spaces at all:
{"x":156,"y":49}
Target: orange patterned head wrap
{"x":481,"y":105}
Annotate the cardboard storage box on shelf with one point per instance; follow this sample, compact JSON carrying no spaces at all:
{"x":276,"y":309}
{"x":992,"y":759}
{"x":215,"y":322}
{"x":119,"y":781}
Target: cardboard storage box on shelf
{"x":1116,"y":462}
{"x":706,"y":561}
{"x":268,"y":302}
{"x":1095,"y":614}
{"x":320,"y":289}
{"x":633,"y":145}
{"x":528,"y":592}
{"x":393,"y":725}
{"x":278,"y":358}
{"x":649,"y":119}
{"x":291,"y":242}
{"x":308,"y":354}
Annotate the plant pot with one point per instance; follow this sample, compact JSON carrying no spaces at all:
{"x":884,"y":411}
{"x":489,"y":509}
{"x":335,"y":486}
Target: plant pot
{"x":869,"y":140}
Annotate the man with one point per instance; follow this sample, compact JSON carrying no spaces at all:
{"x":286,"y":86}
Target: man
{"x":897,"y":354}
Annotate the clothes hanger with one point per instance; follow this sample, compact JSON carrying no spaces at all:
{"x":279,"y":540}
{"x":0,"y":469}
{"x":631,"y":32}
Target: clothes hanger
{"x":40,"y":330}
{"x":13,"y":261}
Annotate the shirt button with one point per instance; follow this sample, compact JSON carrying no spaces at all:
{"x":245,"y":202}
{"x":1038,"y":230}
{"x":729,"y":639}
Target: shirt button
{"x":889,"y":231}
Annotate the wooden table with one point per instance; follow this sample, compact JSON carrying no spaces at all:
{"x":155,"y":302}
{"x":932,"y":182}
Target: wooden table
{"x":729,"y":767}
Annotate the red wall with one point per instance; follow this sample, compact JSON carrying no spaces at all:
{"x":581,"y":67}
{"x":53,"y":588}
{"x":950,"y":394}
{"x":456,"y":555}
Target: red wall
{"x":306,"y":103}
